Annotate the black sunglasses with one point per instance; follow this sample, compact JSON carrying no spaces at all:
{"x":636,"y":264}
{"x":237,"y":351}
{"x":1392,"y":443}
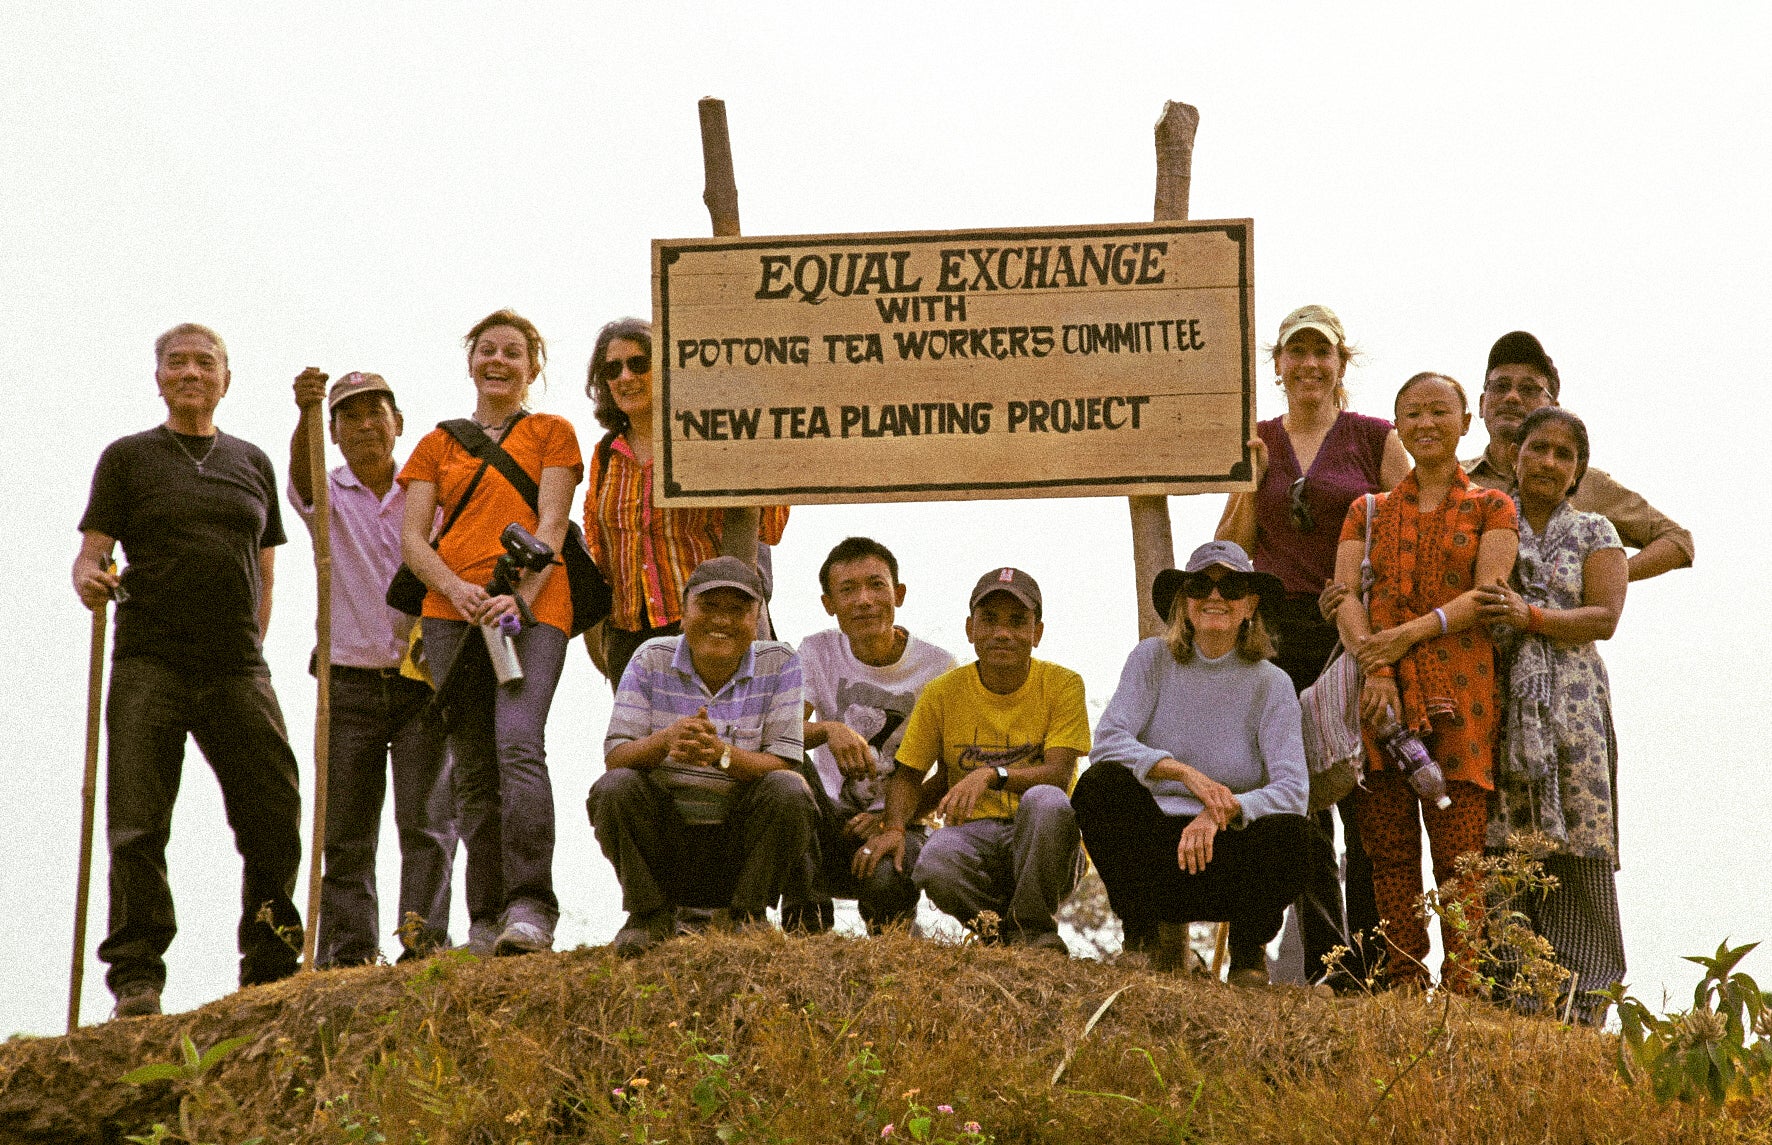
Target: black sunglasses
{"x":1302,"y":518}
{"x":638,"y":365}
{"x":1231,"y":586}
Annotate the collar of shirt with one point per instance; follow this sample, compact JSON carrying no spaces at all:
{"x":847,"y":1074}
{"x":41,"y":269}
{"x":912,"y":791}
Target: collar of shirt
{"x":684,"y":663}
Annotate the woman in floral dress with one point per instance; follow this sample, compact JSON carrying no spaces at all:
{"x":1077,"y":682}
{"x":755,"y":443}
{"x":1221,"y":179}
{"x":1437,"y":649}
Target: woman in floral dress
{"x":1558,"y":764}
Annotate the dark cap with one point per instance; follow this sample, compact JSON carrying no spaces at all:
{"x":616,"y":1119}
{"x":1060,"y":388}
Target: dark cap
{"x":725,"y":572}
{"x":1213,"y":554}
{"x":1012,"y":581}
{"x":354,"y":383}
{"x":1522,"y":349}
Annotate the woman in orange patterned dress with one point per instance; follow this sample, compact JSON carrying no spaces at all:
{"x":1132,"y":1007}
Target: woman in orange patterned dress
{"x":1427,"y":661}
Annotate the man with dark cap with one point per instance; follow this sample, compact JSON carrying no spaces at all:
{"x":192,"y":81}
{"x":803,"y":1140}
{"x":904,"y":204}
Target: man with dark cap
{"x":1006,"y":731}
{"x":1521,"y":378}
{"x":196,"y":512}
{"x":702,"y":805}
{"x":379,"y":720}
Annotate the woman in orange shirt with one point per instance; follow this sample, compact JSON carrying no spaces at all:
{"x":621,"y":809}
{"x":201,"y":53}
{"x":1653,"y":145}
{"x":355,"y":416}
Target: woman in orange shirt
{"x":504,"y":800}
{"x":1427,"y":663}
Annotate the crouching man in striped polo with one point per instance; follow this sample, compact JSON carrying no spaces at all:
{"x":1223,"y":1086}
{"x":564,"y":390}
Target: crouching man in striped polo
{"x":702,"y":805}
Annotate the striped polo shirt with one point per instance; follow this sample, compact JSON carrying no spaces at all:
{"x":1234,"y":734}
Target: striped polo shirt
{"x":762,"y":708}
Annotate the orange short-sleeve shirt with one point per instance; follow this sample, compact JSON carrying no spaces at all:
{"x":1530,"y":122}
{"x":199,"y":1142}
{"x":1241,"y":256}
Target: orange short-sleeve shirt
{"x":471,"y":549}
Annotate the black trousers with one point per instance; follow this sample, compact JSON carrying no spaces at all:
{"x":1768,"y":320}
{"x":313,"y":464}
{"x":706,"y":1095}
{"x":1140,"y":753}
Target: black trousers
{"x":619,"y":646}
{"x":237,"y":724}
{"x":1306,"y":641}
{"x":1255,"y":872}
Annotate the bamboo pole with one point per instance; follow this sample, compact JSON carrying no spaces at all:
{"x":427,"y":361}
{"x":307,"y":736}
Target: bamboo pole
{"x":1153,"y":543}
{"x":95,"y":694}
{"x":323,"y":672}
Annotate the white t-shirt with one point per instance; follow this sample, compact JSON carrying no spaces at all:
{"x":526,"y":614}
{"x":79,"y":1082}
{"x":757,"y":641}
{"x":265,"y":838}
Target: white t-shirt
{"x":874,"y":702}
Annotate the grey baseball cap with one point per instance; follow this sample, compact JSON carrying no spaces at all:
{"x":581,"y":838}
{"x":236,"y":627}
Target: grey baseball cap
{"x":725,"y":572}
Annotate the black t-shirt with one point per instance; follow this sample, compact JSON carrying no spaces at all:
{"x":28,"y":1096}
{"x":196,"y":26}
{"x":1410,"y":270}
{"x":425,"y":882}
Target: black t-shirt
{"x":192,"y":542}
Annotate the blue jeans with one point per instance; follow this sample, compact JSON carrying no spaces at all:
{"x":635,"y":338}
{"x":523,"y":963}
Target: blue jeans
{"x":504,"y":800}
{"x":239,"y":728}
{"x":378,"y":717}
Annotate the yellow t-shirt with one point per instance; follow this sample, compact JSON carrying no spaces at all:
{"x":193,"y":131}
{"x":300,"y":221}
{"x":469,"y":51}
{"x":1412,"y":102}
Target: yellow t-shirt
{"x":964,"y":726}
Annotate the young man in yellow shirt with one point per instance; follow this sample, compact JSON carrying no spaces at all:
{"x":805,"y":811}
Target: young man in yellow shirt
{"x":1006,"y":730}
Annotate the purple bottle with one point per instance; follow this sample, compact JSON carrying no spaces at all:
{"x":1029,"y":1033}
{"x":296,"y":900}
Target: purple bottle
{"x":1404,"y":751}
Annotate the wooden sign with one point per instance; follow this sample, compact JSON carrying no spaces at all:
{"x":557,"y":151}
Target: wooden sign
{"x":949,"y":365}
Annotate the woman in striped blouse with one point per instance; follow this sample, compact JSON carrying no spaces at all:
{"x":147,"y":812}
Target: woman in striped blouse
{"x":645,"y":552}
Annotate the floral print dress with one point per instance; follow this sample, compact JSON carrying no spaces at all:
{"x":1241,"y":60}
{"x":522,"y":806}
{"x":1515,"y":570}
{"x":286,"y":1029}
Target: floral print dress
{"x":1558,"y":767}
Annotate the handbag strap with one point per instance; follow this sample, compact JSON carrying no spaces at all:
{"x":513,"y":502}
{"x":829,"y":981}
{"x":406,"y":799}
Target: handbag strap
{"x":1367,"y":576}
{"x":479,"y":443}
{"x":460,"y":505}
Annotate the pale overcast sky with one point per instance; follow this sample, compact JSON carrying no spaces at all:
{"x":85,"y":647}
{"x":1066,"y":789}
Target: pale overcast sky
{"x":352,"y":186}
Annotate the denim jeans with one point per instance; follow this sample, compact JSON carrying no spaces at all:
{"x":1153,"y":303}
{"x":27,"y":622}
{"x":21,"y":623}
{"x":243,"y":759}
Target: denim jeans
{"x":504,"y":800}
{"x":1021,"y":868}
{"x":378,"y":719}
{"x":238,"y":726}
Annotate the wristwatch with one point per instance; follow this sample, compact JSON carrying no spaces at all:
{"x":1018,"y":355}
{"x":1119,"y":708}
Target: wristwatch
{"x":726,"y":759}
{"x":1002,"y":779}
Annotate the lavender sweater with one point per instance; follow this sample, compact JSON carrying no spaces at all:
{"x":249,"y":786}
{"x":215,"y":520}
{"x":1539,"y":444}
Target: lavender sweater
{"x":1234,"y":721}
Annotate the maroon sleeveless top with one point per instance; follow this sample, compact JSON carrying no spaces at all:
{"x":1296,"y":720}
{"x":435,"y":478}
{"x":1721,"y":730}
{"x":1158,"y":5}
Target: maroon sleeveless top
{"x":1347,"y":466}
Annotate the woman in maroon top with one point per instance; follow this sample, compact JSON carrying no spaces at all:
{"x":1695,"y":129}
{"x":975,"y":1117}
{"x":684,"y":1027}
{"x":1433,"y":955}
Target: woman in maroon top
{"x":1311,"y":463}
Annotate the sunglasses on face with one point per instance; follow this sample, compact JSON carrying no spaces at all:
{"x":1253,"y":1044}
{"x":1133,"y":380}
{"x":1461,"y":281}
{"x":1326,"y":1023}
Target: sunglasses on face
{"x":638,"y":365}
{"x":1302,"y":518}
{"x":1231,"y":586}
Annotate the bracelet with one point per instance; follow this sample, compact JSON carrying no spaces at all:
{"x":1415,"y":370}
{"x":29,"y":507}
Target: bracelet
{"x":1534,"y":619}
{"x":1388,"y":672}
{"x":1441,"y":613}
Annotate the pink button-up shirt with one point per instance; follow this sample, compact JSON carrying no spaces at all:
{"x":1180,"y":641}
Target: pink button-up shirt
{"x":366,"y":633}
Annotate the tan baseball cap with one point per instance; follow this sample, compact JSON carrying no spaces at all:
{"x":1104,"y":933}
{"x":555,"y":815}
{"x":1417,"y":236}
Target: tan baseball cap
{"x":1318,"y":318}
{"x":357,"y":382}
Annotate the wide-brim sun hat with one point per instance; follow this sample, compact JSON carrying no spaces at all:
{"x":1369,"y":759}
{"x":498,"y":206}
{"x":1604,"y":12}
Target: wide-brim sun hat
{"x":1227,"y":555}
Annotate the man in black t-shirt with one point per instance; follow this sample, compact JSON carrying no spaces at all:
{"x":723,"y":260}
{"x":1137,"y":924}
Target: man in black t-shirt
{"x":196,"y":512}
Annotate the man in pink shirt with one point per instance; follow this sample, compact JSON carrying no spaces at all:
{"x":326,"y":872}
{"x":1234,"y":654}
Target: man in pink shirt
{"x":378,"y":715}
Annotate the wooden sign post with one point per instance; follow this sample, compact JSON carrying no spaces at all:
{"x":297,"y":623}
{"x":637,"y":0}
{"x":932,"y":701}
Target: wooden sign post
{"x":1153,"y":545}
{"x":738,"y":537}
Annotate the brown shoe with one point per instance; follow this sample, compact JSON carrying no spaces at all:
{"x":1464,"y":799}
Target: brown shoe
{"x":137,"y":1000}
{"x":1248,"y":976}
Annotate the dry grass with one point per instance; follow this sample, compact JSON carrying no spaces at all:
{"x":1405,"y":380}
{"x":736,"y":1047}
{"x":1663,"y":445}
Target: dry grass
{"x":758,"y":1037}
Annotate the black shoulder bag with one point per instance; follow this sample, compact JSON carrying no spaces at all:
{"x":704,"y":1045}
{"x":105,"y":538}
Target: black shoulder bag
{"x":591,"y":598}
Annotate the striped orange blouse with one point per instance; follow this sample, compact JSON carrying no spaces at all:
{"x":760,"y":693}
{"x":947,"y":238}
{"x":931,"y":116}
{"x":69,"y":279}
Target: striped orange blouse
{"x":646,"y":553}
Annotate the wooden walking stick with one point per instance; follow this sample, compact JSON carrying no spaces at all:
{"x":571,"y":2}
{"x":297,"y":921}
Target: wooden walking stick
{"x":95,"y":696}
{"x":738,"y":536}
{"x":322,"y":670}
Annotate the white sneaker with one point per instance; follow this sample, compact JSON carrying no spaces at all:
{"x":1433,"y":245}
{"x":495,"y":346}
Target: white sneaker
{"x":523,"y":938}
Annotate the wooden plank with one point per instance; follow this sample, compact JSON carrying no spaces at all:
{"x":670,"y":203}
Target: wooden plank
{"x":954,"y":365}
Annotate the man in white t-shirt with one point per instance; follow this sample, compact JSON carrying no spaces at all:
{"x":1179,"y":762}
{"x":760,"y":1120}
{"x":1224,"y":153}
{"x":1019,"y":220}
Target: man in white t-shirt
{"x":862,"y":679}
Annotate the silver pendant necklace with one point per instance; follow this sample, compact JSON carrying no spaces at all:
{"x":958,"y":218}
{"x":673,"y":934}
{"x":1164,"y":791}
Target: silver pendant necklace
{"x":194,"y":460}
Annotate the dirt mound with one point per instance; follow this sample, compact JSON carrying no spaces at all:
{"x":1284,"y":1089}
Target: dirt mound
{"x":758,"y":1037}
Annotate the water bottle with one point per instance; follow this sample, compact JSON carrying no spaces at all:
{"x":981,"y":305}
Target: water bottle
{"x":503,"y":649}
{"x":1404,"y":750}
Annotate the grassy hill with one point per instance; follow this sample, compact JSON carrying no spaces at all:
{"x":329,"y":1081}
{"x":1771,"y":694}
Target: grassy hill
{"x":761,"y":1038}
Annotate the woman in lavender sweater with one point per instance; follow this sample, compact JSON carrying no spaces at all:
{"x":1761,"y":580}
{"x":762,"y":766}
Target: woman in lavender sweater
{"x":1193,"y":806}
